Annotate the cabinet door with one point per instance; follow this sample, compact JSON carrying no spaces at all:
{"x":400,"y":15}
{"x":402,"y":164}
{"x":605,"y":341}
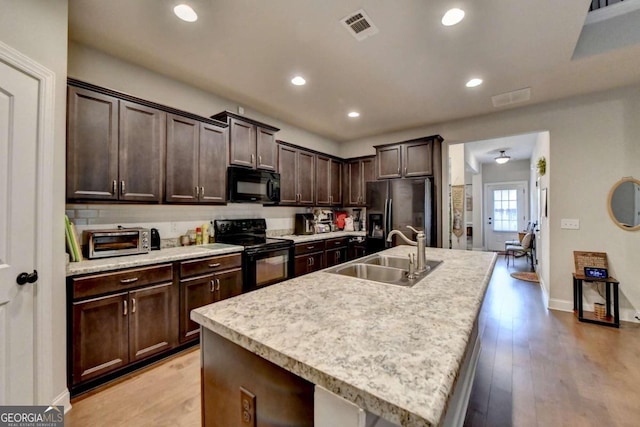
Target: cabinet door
{"x":306,"y":178}
{"x":228,"y":284}
{"x":368,"y":171}
{"x":336,"y":256}
{"x":242,"y":143}
{"x":194,"y":293}
{"x":418,"y":158}
{"x":323,"y":180}
{"x":183,"y":136}
{"x":92,"y":145}
{"x":309,"y":263}
{"x":100,"y":336}
{"x":389,"y":162}
{"x":287,"y":159}
{"x":152,"y":321}
{"x":267,"y":149}
{"x":353,"y":183}
{"x":141,"y":141}
{"x":335,"y":182}
{"x":213,"y":164}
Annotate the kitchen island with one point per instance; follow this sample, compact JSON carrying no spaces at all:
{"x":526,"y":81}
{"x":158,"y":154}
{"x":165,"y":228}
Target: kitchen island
{"x":395,"y":352}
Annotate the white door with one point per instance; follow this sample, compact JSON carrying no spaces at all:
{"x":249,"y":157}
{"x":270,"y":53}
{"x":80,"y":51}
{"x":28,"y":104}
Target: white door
{"x":18,"y":143}
{"x":506,"y":213}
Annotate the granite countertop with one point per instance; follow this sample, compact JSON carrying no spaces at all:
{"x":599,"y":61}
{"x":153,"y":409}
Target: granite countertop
{"x":322,"y":236}
{"x":391,"y":350}
{"x":153,"y":257}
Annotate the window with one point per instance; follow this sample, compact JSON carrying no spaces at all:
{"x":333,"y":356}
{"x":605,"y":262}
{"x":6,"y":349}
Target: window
{"x":505,"y":210}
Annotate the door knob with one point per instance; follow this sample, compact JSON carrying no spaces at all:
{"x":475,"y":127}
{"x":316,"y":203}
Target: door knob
{"x":27,"y":278}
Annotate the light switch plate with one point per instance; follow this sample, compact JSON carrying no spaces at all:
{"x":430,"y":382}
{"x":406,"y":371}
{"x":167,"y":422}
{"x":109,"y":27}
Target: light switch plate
{"x":570,"y":224}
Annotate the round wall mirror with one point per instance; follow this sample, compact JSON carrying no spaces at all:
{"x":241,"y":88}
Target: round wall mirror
{"x":624,"y":204}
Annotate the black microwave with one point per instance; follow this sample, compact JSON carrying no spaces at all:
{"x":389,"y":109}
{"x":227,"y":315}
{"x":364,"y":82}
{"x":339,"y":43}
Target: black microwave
{"x":253,"y":186}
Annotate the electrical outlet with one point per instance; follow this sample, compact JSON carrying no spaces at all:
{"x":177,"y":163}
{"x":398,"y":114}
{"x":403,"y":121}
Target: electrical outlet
{"x":570,"y":224}
{"x":247,"y":408}
{"x":240,"y":110}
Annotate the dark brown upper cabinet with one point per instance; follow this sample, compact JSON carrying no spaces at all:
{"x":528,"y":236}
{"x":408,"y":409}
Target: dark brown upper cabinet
{"x":196,"y":161}
{"x":328,"y":181}
{"x":114,"y":148}
{"x":408,"y":159}
{"x":251,"y":143}
{"x":297,"y":175}
{"x":357,"y":173}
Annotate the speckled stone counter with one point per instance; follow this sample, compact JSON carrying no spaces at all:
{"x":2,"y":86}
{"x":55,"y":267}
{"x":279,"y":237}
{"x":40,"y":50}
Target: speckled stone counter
{"x":393,"y":351}
{"x":322,"y":236}
{"x":153,"y":257}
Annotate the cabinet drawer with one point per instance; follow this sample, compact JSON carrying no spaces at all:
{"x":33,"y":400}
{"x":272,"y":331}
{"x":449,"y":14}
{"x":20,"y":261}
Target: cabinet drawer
{"x":121,"y":280}
{"x":336,"y":243}
{"x":307,"y":248}
{"x":209,"y":265}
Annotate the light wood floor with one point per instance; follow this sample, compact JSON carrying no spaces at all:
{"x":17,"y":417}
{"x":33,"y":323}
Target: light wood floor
{"x":536,"y":368}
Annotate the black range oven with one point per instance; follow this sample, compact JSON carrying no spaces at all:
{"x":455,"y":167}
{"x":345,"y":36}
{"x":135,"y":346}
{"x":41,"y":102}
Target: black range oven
{"x":265,"y":260}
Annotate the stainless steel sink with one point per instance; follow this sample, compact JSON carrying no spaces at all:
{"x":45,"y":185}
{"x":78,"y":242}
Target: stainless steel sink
{"x":397,"y":262}
{"x":384,"y":269}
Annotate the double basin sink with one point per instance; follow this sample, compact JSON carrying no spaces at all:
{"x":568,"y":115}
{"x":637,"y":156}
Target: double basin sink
{"x":383,"y":268}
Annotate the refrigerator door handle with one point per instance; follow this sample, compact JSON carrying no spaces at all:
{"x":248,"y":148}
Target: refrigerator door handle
{"x":389,"y":221}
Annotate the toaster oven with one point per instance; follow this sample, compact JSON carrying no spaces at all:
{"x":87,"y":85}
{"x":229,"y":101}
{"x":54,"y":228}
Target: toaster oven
{"x":116,"y":242}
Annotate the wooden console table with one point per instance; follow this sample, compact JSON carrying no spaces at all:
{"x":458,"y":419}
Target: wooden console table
{"x":609,"y":320}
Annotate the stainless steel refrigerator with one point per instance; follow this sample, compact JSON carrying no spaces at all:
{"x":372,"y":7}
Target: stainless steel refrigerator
{"x":396,"y":203}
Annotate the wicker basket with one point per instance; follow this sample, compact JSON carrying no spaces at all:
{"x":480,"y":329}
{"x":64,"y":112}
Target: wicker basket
{"x":599,"y":310}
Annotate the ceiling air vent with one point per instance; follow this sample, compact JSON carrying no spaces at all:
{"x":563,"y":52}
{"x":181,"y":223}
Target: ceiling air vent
{"x":508,"y":98}
{"x":359,"y":25}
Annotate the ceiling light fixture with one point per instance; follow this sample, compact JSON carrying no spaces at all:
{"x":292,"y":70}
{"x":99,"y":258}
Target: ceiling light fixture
{"x":452,"y":17}
{"x":353,"y":114}
{"x":502,"y":158}
{"x":186,"y":13}
{"x":474,"y":82}
{"x":298,"y":81}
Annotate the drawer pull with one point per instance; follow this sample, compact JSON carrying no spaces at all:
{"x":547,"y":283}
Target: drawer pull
{"x":218,"y":285}
{"x":311,"y":247}
{"x":131,"y":280}
{"x":212,"y":286}
{"x":124,"y":313}
{"x":214,"y":265}
{"x":133,"y":307}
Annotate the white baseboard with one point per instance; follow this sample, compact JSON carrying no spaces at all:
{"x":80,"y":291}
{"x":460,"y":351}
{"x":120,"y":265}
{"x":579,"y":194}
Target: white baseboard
{"x":63,"y":399}
{"x":626,"y":314}
{"x":560,"y":305}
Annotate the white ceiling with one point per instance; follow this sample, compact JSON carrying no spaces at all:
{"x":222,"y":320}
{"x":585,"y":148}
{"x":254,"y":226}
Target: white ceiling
{"x":411,"y":73}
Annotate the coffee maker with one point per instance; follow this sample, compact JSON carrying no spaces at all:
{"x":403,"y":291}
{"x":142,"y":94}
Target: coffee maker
{"x":304,"y":224}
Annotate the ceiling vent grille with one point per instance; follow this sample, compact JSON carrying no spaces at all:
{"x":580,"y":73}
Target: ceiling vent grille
{"x":359,"y":25}
{"x":508,"y":98}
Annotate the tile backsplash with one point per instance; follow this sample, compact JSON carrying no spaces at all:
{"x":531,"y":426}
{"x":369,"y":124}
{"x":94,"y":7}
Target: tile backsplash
{"x":173,"y":221}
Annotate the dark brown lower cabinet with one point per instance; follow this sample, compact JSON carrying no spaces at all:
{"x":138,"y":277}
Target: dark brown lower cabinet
{"x":240,"y":388}
{"x":336,"y":256}
{"x":308,"y":263}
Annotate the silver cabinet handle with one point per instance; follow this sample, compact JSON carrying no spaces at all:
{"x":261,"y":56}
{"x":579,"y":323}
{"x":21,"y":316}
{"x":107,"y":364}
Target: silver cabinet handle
{"x":133,"y":308}
{"x":253,"y":159}
{"x":313,"y":261}
{"x":214,"y":265}
{"x":197,"y":192}
{"x":398,"y":171}
{"x":405,"y":170}
{"x":310,"y":247}
{"x":131,"y":280}
{"x":212,"y":288}
{"x":218,"y":285}
{"x":114,"y":187}
{"x":201,"y":191}
{"x":259,"y":160}
{"x":122,"y":187}
{"x":124,"y":313}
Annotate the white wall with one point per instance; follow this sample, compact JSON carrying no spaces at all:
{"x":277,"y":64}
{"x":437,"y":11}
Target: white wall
{"x":517,"y":170}
{"x":101,"y":69}
{"x":537,"y":185}
{"x":593,"y":143}
{"x":38,"y":29}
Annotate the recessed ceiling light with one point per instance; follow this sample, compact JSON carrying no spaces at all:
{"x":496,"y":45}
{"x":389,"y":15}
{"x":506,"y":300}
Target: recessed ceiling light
{"x":185,"y":12}
{"x":353,"y":114}
{"x":474,"y":82}
{"x":298,"y":81}
{"x":452,"y":17}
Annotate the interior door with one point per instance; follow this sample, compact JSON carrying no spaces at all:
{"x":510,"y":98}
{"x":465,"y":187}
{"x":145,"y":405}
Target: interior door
{"x":505,"y":213}
{"x":18,"y":142}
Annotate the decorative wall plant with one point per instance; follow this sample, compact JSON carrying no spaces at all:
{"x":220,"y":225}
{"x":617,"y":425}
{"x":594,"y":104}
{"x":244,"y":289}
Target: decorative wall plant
{"x":542,"y":166}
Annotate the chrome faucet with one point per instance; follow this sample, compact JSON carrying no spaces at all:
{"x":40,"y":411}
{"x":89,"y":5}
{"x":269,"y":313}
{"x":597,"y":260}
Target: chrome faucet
{"x":421,"y":243}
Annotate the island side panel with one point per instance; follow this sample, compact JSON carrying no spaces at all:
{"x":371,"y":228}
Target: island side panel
{"x":281,"y":398}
